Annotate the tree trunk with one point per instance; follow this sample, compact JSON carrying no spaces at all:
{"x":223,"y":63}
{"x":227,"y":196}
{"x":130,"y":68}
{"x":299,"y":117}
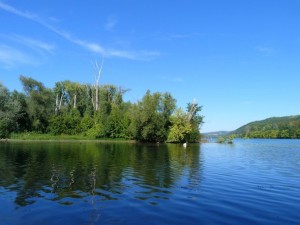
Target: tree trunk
{"x":56,"y":104}
{"x":61,"y":97}
{"x":192,"y":111}
{"x":97,"y":98}
{"x":75,"y":99}
{"x":98,"y":72}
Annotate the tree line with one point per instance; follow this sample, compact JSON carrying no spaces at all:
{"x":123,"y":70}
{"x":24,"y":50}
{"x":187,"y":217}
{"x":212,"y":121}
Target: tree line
{"x":97,"y":111}
{"x":276,"y":127}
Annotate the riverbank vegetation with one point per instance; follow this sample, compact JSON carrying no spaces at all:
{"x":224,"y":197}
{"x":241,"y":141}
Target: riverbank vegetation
{"x":87,"y":111}
{"x":225,"y":139}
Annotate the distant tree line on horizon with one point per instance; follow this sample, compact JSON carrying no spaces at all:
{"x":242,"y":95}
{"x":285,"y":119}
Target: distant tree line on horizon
{"x":96,"y":111}
{"x":276,"y":127}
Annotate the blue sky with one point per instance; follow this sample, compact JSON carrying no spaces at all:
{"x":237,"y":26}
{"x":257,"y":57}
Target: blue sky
{"x":240,"y":59}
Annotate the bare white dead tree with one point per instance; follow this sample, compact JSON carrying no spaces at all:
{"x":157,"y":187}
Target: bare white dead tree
{"x":75,"y":101}
{"x":76,"y":90}
{"x":61,"y":97}
{"x":190,"y":116}
{"x":192,"y":110}
{"x":58,"y":101}
{"x":56,"y":104}
{"x":97,"y":73}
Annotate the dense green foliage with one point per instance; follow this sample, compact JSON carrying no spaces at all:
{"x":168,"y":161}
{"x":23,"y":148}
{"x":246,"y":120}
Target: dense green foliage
{"x":11,"y":112}
{"x":225,"y":139}
{"x":71,"y":108}
{"x":275,"y":127}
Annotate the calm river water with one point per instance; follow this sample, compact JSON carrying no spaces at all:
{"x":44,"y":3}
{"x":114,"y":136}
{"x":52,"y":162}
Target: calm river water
{"x":249,"y":182}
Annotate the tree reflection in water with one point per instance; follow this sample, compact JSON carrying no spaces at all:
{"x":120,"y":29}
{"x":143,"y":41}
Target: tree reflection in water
{"x":54,"y":178}
{"x":95,"y":211}
{"x":96,"y":172}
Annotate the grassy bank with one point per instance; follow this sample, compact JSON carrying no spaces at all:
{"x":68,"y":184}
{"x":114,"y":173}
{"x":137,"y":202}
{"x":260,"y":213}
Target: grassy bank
{"x":28,"y":136}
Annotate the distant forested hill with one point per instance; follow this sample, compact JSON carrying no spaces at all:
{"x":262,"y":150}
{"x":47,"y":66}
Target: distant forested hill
{"x":275,"y":127}
{"x":215,"y":134}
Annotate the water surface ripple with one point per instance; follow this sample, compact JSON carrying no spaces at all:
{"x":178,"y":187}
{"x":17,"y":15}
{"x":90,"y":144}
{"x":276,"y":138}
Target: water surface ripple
{"x":249,"y":182}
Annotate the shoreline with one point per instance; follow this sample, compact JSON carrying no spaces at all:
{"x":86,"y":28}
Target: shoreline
{"x":12,"y":140}
{"x":66,"y":140}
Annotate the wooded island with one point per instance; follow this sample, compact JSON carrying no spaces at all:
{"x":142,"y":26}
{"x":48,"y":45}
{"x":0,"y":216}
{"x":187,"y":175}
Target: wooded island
{"x":96,"y":111}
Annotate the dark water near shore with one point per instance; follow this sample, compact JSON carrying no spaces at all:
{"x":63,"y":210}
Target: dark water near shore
{"x":249,"y":182}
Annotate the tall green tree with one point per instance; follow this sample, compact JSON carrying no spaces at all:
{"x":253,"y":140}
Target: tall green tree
{"x":150,"y":118}
{"x":40,"y":103}
{"x":22,"y":118}
{"x":186,"y":125}
{"x":117,"y":121}
{"x":180,"y":128}
{"x":9,"y":112}
{"x":195,"y":120}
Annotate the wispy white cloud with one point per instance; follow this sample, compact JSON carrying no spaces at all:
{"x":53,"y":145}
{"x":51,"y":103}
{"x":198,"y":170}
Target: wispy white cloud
{"x":181,"y":36}
{"x":122,"y":54}
{"x":54,"y":19}
{"x":111,"y":23}
{"x":17,"y":50}
{"x":17,"y":12}
{"x":134,"y":55}
{"x":11,"y":57}
{"x":148,"y":55}
{"x":178,"y":36}
{"x":33,"y":43}
{"x":90,"y":46}
{"x":264,"y":50}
